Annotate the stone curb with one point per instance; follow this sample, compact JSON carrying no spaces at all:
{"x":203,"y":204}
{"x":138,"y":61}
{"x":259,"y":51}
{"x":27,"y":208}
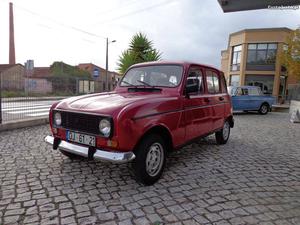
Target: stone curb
{"x":23,"y":123}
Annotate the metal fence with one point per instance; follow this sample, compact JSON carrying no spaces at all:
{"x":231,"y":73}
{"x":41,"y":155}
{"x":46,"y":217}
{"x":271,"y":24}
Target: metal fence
{"x":24,"y":97}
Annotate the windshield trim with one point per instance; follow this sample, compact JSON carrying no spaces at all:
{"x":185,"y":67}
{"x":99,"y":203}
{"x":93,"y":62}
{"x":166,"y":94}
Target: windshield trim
{"x":155,"y":86}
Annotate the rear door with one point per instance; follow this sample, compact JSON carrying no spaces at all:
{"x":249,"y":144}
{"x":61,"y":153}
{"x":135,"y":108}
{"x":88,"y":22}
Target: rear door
{"x":197,"y":107}
{"x":217,"y":98}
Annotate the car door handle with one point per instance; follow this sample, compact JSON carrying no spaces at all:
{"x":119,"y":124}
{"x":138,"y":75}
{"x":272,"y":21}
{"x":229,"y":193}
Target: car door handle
{"x":221,"y":98}
{"x":206,"y":100}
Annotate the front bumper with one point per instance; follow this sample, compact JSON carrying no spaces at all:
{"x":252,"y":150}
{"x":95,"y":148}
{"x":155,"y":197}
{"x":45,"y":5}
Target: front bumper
{"x":116,"y":157}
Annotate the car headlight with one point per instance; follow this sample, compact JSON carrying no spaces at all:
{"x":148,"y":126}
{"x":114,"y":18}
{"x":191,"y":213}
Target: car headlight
{"x":57,"y":119}
{"x":105,"y":127}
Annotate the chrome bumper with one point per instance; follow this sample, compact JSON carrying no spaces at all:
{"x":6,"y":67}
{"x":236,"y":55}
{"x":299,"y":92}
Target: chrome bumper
{"x":116,"y":157}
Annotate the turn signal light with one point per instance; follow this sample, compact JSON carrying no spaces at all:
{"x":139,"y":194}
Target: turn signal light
{"x":112,"y":143}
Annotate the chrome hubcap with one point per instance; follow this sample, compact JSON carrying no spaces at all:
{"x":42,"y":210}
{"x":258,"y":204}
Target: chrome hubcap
{"x":264,"y":109}
{"x":154,"y":160}
{"x":226,"y":130}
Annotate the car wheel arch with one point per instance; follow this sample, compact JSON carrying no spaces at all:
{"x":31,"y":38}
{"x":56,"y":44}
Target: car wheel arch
{"x":230,"y":120}
{"x":265,"y":103}
{"x":160,"y":130}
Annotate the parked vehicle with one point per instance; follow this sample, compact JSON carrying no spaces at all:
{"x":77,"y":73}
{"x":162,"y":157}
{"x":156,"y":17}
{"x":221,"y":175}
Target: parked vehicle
{"x":157,"y":107}
{"x":250,"y":98}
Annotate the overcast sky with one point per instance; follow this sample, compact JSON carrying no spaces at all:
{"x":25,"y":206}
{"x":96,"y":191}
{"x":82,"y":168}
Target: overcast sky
{"x":194,"y":30}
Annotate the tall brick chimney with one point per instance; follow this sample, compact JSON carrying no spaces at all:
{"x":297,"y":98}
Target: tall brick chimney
{"x":12,"y":55}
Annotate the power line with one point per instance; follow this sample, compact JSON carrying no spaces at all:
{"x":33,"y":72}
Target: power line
{"x":60,"y":23}
{"x":135,"y":12}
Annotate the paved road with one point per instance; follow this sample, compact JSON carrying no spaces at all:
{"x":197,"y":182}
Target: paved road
{"x":25,"y":109}
{"x":254,"y":179}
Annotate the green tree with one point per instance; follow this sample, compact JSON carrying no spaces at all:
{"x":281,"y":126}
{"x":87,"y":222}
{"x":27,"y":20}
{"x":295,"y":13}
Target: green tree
{"x":140,"y":50}
{"x":65,"y":78}
{"x":290,"y":56}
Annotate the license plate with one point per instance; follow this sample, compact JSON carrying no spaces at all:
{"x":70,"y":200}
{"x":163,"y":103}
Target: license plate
{"x":81,"y":138}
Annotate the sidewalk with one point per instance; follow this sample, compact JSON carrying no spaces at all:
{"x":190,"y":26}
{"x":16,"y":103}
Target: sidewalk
{"x":21,"y":99}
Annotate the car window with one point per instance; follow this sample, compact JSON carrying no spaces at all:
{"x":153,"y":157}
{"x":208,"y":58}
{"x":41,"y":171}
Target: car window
{"x":239,"y":92}
{"x":195,"y":77}
{"x":245,"y":91}
{"x":213,"y":83}
{"x":254,"y":91}
{"x":154,"y":75}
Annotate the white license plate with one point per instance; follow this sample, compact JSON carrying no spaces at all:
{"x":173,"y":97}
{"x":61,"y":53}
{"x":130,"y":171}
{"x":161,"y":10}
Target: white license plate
{"x":81,"y":138}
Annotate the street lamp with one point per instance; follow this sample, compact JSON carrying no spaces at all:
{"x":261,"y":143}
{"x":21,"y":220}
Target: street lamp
{"x":106,"y":68}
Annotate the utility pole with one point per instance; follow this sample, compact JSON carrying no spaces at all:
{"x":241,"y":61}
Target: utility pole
{"x":106,"y":67}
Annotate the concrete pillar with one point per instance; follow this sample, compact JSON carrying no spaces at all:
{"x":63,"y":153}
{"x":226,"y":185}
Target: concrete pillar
{"x":12,"y":56}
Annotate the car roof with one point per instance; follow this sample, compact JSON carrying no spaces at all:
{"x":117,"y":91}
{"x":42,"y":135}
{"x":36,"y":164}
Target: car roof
{"x":183,"y":63}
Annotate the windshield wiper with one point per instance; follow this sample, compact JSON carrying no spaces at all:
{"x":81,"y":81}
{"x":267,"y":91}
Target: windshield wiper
{"x":145,"y":83}
{"x":124,"y":81}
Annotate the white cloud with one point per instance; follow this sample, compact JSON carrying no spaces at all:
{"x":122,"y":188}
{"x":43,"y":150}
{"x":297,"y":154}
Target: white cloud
{"x":181,"y":29}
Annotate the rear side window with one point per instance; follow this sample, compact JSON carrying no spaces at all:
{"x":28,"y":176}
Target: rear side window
{"x":213,"y":82}
{"x":195,"y":77}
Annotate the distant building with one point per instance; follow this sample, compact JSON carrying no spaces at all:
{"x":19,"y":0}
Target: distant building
{"x":99,"y":76}
{"x":252,"y":58}
{"x":37,"y":80}
{"x":12,"y":77}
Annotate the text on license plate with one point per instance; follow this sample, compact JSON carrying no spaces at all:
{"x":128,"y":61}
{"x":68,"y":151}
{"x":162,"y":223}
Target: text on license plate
{"x":81,"y":138}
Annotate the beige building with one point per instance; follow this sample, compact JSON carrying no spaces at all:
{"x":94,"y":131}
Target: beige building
{"x":12,"y":77}
{"x":252,"y":58}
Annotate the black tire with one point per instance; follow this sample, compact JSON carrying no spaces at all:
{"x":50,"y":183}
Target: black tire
{"x":151,"y":146}
{"x":222,"y":135}
{"x":264,"y":109}
{"x":70,"y":155}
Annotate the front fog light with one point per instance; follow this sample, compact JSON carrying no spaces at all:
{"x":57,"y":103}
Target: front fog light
{"x":105,"y":127}
{"x":57,"y":119}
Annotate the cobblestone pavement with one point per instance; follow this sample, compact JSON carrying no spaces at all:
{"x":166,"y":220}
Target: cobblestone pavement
{"x":253,"y":179}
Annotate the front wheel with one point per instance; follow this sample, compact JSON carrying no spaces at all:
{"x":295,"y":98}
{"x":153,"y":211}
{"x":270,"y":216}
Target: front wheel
{"x":264,"y":109}
{"x":222,"y":136}
{"x":150,"y":159}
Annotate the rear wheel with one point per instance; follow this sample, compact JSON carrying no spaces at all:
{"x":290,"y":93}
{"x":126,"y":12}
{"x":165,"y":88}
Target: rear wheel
{"x":264,"y":109}
{"x":150,"y":159}
{"x":222,"y":136}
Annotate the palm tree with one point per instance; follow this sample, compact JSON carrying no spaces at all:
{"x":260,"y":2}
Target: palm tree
{"x":140,"y":50}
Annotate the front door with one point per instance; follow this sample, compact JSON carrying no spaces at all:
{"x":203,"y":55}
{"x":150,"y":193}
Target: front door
{"x":197,"y":107}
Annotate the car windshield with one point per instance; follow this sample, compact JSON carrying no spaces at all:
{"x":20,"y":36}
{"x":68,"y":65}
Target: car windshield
{"x":153,"y":76}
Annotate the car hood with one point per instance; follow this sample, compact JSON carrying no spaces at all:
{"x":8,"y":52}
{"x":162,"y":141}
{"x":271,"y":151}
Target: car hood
{"x":105,"y":103}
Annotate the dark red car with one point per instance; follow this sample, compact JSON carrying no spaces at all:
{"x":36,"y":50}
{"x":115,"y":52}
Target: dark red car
{"x":157,"y":107}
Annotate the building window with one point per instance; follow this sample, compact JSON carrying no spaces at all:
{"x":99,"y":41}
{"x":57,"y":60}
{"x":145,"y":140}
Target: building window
{"x":234,"y":80}
{"x":236,"y":58}
{"x":261,"y":56}
{"x":265,"y":82}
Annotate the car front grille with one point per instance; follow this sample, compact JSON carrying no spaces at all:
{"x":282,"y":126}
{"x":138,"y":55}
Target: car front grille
{"x":80,"y":122}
